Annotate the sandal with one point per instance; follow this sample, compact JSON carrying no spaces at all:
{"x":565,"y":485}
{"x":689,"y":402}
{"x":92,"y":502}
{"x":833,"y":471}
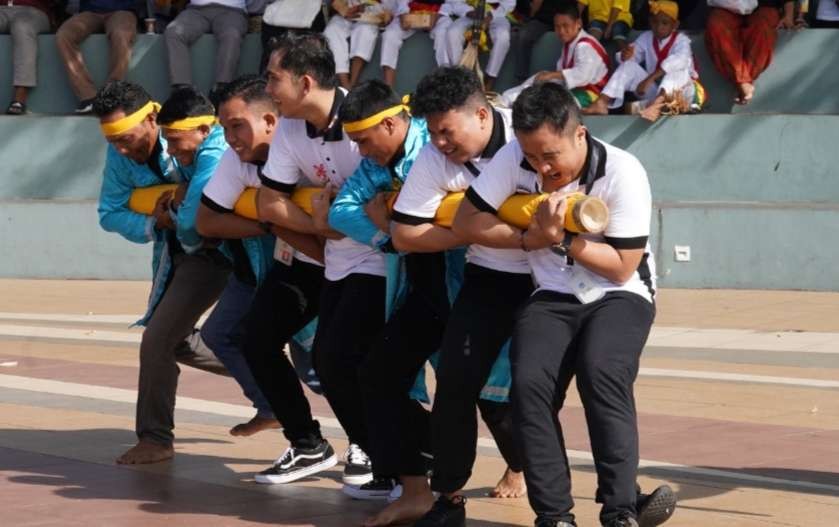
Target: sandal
{"x":16,"y":108}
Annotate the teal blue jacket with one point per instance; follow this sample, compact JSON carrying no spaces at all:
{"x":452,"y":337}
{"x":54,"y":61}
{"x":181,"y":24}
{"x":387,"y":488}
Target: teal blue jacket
{"x":122,"y":175}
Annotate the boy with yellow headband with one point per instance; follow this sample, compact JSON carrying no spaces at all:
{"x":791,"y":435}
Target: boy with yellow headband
{"x":656,"y":67}
{"x":187,"y":279}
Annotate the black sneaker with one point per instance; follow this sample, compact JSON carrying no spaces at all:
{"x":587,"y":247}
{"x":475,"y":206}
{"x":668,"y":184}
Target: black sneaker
{"x":296,"y":463}
{"x":85,"y":107}
{"x":445,"y":513}
{"x":656,"y":508}
{"x":357,"y":469}
{"x":377,"y":489}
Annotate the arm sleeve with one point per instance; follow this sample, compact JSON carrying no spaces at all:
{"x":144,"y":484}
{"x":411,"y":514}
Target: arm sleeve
{"x":586,"y":66}
{"x":114,"y":214}
{"x":205,"y":165}
{"x":226,"y":185}
{"x":422,"y":193}
{"x":630,"y":207}
{"x":497,"y":181}
{"x":623,"y":5}
{"x":281,"y":172}
{"x":347,"y":216}
{"x":680,"y":57}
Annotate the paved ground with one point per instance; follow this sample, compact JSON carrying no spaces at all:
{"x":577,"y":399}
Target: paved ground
{"x":738,"y":400}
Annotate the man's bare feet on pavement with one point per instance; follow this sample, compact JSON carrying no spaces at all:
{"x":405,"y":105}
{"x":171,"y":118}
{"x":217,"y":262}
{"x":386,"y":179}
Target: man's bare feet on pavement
{"x":146,"y":452}
{"x":255,"y":425}
{"x":511,"y":485}
{"x":406,"y":510}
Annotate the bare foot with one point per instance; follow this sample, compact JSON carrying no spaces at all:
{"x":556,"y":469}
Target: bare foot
{"x":407,"y":509}
{"x":746,"y":92}
{"x":653,"y":111}
{"x":255,"y":425}
{"x":146,"y":452}
{"x":599,"y":107}
{"x":511,"y":485}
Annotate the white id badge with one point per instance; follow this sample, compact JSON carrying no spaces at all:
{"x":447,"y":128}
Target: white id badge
{"x":283,"y":252}
{"x":585,"y":288}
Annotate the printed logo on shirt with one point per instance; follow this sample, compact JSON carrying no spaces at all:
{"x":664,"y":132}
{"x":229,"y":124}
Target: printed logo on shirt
{"x":321,"y":172}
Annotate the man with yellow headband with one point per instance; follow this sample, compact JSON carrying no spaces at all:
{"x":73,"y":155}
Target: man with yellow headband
{"x":421,"y":285}
{"x":188,"y":278}
{"x":656,"y":67}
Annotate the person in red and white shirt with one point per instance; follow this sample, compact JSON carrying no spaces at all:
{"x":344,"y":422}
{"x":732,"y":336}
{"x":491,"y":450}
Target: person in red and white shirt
{"x":583,"y":66}
{"x":593,"y":306}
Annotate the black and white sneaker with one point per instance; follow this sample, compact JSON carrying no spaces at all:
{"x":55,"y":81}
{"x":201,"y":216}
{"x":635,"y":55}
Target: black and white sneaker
{"x":656,"y":508}
{"x":445,"y":513}
{"x":358,"y":470}
{"x":297,"y":463}
{"x":377,"y":489}
{"x":85,"y":107}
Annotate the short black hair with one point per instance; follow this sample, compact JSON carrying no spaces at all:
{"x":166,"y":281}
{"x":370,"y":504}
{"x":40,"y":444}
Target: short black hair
{"x":447,"y":88}
{"x":546,"y":103}
{"x":307,"y":54}
{"x":366,"y":99}
{"x":119,"y":95}
{"x":250,"y":88}
{"x":569,"y":9}
{"x":184,"y":102}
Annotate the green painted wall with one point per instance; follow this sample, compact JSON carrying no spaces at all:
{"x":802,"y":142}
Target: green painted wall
{"x":754,"y":196}
{"x":794,"y":83}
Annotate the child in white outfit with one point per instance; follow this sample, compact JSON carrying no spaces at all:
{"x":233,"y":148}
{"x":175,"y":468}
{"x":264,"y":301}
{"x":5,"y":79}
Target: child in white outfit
{"x":352,"y":33}
{"x":499,"y":33}
{"x":397,"y":32}
{"x":657,"y":66}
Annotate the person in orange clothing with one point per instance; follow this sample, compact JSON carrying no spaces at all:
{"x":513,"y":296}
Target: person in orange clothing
{"x":741,"y":46}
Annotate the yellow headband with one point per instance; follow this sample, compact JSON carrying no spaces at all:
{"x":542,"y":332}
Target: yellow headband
{"x":120,"y":126}
{"x":191,"y":123}
{"x":667,"y":7}
{"x":373,"y":120}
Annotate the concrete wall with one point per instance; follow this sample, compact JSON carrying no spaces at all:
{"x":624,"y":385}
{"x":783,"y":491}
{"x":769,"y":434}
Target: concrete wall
{"x":754,"y":196}
{"x":794,"y":83}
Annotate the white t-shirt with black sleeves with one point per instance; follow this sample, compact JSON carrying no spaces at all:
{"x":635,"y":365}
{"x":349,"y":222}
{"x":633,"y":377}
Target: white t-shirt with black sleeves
{"x":611,"y":174}
{"x":433,"y":176}
{"x":301,"y":157}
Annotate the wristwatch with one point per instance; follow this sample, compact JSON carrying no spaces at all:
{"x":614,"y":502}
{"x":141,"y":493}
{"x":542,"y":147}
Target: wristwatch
{"x":266,"y":226}
{"x":564,"y":247}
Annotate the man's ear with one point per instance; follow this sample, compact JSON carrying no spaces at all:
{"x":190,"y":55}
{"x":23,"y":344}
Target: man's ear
{"x":204,"y":130}
{"x":270,"y":120}
{"x":580,"y":134}
{"x":483,"y":114}
{"x":308,"y":84}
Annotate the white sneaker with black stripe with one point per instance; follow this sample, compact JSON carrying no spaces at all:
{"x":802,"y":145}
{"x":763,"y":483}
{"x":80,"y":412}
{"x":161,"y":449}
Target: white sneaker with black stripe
{"x":297,"y":463}
{"x":357,"y":469}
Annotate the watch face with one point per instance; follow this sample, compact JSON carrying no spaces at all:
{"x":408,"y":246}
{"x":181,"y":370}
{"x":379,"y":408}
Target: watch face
{"x":559,"y":249}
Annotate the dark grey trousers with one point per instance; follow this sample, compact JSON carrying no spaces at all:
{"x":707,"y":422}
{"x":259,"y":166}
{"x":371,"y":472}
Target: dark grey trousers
{"x":196,"y":283}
